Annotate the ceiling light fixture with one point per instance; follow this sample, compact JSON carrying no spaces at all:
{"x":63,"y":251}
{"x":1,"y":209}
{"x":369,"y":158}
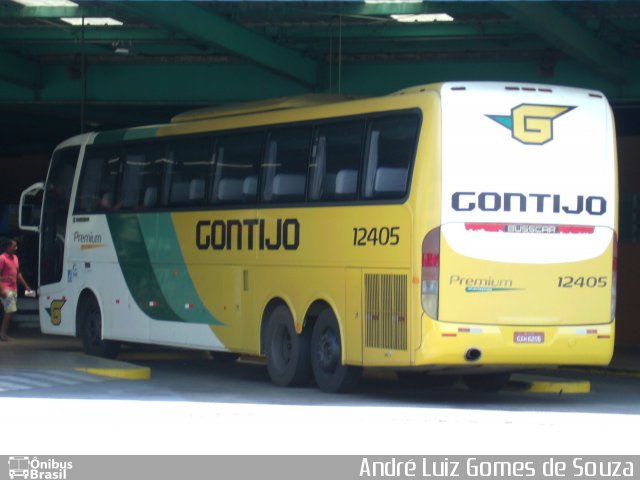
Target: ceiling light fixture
{"x":393,"y":1}
{"x":423,"y":17}
{"x":93,"y":21}
{"x":120,"y":48}
{"x":47,"y":3}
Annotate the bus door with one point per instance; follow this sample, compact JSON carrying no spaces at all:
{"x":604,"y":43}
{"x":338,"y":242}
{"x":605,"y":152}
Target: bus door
{"x":55,"y":314}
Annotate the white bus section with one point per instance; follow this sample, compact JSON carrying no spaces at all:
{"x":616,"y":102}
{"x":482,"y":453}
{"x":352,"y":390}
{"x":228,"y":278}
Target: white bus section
{"x":563,"y":175}
{"x":528,"y":205}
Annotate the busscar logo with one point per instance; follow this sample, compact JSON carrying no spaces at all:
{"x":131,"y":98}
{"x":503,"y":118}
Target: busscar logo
{"x":531,"y":124}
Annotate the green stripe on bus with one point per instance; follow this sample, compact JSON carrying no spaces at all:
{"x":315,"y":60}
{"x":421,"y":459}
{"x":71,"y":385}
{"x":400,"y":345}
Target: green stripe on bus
{"x":170,"y":270}
{"x":118,"y":136}
{"x":113,"y":136}
{"x":135,"y":263}
{"x":140,"y":133}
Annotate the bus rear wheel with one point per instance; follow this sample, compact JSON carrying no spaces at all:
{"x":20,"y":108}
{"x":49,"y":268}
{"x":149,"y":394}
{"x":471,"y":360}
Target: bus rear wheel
{"x":326,"y":357}
{"x":90,"y":319}
{"x":287,"y":352}
{"x":486,"y":383}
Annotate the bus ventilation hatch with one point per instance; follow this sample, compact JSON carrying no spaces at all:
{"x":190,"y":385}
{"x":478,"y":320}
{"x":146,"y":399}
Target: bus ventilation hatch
{"x":385,"y":311}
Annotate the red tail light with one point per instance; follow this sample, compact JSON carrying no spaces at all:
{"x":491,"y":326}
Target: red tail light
{"x":430,"y":284}
{"x":430,"y":259}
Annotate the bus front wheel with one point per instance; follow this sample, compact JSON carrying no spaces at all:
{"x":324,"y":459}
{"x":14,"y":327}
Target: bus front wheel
{"x":287,"y":352}
{"x":91,"y":330}
{"x":326,"y":357}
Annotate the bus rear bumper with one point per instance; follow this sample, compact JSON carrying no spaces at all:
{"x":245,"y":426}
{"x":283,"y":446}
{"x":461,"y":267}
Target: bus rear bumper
{"x":472,"y":345}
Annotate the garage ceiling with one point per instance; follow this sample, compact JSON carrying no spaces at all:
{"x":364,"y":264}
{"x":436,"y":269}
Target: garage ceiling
{"x":57,"y":79}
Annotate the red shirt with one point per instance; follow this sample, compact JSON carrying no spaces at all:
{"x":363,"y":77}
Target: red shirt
{"x":9,"y":269}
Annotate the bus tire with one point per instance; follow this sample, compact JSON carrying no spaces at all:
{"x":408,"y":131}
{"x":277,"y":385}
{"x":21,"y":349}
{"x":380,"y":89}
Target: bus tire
{"x":486,"y":383}
{"x":287,"y":352}
{"x":91,"y":330}
{"x":326,"y":357}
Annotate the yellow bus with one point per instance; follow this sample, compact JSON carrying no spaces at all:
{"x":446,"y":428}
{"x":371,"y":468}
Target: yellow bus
{"x":457,"y":229}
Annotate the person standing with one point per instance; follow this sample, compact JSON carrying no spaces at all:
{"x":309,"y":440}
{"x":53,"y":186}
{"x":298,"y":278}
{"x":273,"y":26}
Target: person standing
{"x":9,"y":277}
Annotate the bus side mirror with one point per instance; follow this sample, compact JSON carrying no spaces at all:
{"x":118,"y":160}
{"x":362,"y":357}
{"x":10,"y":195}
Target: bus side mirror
{"x":31,"y":208}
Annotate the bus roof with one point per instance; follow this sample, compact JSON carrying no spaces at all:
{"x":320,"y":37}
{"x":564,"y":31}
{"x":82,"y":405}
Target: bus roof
{"x":179,"y":123}
{"x":282,"y":103}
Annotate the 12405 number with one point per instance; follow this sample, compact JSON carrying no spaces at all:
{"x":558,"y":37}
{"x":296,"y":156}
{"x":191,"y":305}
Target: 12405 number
{"x":589,"y":282}
{"x":376,"y":236}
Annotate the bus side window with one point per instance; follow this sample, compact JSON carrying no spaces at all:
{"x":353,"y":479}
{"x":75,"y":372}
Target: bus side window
{"x":391,"y":146}
{"x":97,"y":180}
{"x":250,"y":188}
{"x":141,"y":177}
{"x":150,"y":197}
{"x":335,"y":162}
{"x":318,"y":168}
{"x":284,"y":171}
{"x":188,"y":170}
{"x":236,"y":169}
{"x":109,"y":181}
{"x":87,"y":197}
{"x":179,"y":193}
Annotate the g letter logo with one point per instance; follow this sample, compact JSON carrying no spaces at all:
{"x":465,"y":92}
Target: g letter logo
{"x":531,"y":124}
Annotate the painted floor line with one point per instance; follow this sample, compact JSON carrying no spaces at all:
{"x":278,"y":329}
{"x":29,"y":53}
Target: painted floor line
{"x":138,"y":373}
{"x":550,"y":386}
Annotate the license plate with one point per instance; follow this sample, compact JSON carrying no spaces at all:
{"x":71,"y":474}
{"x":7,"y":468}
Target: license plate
{"x":528,"y":337}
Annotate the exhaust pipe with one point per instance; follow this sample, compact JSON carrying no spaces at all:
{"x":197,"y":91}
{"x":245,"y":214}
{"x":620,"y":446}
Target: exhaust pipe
{"x":472,"y":355}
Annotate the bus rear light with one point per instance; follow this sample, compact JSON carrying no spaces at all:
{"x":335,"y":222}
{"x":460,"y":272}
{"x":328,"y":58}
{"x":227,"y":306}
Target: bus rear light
{"x":430,"y":260}
{"x":430,"y":284}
